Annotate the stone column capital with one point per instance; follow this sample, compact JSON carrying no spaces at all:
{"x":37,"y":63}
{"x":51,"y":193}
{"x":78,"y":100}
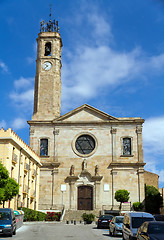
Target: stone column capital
{"x":56,"y":132}
{"x":139,"y":130}
{"x":113,"y":131}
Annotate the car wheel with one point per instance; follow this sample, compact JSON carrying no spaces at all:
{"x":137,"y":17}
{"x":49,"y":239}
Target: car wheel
{"x":114,"y":233}
{"x":123,"y":236}
{"x":14,"y":233}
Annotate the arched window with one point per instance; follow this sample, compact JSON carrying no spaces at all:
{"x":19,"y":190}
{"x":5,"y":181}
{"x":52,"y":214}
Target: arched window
{"x":126,"y":146}
{"x":48,"y":49}
{"x":44,"y":147}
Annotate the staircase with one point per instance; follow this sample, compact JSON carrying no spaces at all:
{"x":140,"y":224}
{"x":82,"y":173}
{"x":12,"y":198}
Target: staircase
{"x":75,"y":215}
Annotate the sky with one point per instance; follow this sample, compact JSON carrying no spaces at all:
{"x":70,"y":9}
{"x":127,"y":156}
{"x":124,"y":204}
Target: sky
{"x":112,"y":59}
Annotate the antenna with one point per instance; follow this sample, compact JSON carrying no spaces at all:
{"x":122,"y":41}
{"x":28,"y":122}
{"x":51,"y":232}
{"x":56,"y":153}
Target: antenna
{"x":50,"y":10}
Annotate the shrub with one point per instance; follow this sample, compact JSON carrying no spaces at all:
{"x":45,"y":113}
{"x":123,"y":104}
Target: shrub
{"x":88,"y":217}
{"x":33,"y":215}
{"x":53,"y":216}
{"x":138,"y":206}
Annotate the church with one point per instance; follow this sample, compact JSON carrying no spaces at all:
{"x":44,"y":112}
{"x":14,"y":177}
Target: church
{"x":86,"y":154}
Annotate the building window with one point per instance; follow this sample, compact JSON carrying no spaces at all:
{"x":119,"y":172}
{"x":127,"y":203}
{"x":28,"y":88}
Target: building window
{"x":126,"y":146}
{"x":48,"y":49}
{"x":44,"y":147}
{"x":85,"y":144}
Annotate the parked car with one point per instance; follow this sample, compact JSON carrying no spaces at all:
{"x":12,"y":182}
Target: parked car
{"x":7,"y":221}
{"x":132,"y":221}
{"x":115,"y":226}
{"x":159,"y":217}
{"x":151,"y":230}
{"x":103,"y":221}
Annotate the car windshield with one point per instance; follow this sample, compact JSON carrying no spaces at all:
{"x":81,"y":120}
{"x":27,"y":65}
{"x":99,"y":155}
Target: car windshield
{"x":137,"y":221}
{"x":156,"y":228}
{"x":106,"y":217}
{"x":119,"y":220}
{"x":4,"y":216}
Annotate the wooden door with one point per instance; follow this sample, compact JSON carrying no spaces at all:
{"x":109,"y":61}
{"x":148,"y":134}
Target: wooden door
{"x":85,"y":198}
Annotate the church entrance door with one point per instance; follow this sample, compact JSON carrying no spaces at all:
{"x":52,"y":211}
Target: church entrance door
{"x":85,"y":198}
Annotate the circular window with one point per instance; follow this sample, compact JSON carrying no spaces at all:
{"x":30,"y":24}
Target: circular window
{"x":85,"y":144}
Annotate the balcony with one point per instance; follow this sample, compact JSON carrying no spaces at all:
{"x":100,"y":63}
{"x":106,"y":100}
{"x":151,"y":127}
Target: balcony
{"x":25,"y":189}
{"x":26,"y":167}
{"x":14,"y":158}
{"x":33,"y":194}
{"x":33,"y":173}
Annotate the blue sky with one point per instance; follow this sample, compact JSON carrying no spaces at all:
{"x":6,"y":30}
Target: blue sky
{"x":112,"y":57}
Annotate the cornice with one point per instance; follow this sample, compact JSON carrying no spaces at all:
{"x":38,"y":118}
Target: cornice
{"x":121,"y":164}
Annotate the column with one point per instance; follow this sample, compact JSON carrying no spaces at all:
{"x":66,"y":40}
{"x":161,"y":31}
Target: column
{"x":97,"y":195}
{"x":113,"y":132}
{"x":139,"y":143}
{"x":72,"y":195}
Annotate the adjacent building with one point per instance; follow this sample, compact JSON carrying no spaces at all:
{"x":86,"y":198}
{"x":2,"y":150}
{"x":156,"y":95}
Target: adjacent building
{"x":23,"y":165}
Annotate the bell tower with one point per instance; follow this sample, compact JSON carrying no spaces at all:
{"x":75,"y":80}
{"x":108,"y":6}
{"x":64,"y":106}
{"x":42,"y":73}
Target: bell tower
{"x":47,"y":95}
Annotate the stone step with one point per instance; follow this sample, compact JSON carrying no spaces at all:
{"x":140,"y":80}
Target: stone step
{"x":76,"y":215}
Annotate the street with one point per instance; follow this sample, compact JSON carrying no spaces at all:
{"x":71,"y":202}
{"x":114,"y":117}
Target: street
{"x":60,"y":231}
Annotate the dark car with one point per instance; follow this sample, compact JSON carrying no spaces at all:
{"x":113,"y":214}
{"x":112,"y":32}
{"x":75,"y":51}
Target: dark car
{"x":7,"y":221}
{"x":115,"y":226}
{"x":159,"y":217}
{"x":151,"y":231}
{"x":103,"y":221}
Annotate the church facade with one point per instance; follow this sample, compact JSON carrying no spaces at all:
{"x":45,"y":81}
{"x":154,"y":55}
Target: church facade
{"x":86,"y":154}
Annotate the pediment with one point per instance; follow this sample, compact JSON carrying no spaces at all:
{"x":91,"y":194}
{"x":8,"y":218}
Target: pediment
{"x":85,"y":113}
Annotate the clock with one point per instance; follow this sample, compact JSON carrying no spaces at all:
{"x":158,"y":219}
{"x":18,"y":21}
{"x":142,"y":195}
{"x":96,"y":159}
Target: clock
{"x":47,"y":66}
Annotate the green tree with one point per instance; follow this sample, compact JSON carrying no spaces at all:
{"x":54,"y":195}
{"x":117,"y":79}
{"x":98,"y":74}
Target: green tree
{"x":8,"y":186}
{"x":121,"y":196}
{"x":4,"y":175}
{"x":153,"y":199}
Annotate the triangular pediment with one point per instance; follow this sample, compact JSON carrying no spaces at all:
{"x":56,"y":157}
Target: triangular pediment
{"x":85,"y":113}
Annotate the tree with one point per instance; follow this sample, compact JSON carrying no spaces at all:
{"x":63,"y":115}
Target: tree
{"x":11,"y":189}
{"x":8,"y":186}
{"x":153,"y":199}
{"x":121,"y":196}
{"x":4,"y":175}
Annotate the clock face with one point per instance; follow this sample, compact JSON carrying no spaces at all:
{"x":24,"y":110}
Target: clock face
{"x":47,"y":66}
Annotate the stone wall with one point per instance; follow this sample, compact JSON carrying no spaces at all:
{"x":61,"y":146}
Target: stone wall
{"x":151,"y":179}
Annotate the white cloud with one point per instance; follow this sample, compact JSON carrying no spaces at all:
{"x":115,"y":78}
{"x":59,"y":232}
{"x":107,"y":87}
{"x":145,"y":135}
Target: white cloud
{"x":153,"y":142}
{"x":19,"y":123}
{"x":23,"y":82}
{"x":3,"y":124}
{"x":153,"y":133}
{"x":23,"y":94}
{"x":23,"y":98}
{"x":3,"y":66}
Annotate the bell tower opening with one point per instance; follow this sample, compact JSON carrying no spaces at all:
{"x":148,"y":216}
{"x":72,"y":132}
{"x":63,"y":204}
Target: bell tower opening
{"x":48,"y":49}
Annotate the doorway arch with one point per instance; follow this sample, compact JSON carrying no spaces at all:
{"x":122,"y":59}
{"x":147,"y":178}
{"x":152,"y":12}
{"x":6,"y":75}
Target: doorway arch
{"x":85,"y":198}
